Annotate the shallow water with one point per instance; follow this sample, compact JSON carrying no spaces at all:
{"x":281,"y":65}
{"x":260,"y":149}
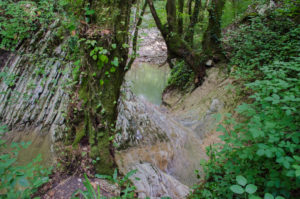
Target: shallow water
{"x":39,"y":145}
{"x":148,"y":81}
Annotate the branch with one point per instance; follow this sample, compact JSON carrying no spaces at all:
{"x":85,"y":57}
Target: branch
{"x":156,"y":18}
{"x":135,"y":36}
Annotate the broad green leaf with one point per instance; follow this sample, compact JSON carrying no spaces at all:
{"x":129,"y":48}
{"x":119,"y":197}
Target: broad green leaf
{"x":268,"y":196}
{"x":241,"y":180}
{"x":103,"y":58}
{"x":251,"y":188}
{"x":237,"y":189}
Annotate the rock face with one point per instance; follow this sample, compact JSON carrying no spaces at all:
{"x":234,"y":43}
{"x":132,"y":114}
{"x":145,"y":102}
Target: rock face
{"x":155,"y":183}
{"x":32,"y":84}
{"x":157,"y":146}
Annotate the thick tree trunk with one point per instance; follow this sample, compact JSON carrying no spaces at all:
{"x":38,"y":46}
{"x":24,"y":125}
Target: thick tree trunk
{"x":102,"y":73}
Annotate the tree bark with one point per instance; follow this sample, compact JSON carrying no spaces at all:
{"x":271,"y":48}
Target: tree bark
{"x":101,"y":79}
{"x":189,"y":37}
{"x":180,"y":17}
{"x":171,"y":15}
{"x":211,"y":44}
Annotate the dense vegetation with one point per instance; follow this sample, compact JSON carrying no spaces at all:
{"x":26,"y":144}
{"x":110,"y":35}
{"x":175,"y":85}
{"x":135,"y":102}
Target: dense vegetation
{"x":259,"y":156}
{"x":262,"y":147}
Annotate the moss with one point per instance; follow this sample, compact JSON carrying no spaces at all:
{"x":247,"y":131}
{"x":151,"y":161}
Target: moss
{"x":80,"y":133}
{"x":83,"y":91}
{"x":100,"y":152}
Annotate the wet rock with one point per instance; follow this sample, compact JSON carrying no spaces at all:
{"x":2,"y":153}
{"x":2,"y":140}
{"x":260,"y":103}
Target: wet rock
{"x":149,"y":135}
{"x":156,"y":184}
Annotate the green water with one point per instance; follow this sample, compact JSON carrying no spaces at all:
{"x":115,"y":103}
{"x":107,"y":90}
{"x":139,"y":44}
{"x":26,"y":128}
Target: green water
{"x":148,"y":81}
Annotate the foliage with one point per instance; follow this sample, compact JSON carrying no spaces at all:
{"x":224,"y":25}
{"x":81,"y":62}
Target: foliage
{"x":248,"y":189}
{"x":123,"y":183}
{"x":181,"y":77}
{"x":18,"y":20}
{"x":19,"y":181}
{"x":233,"y":9}
{"x":263,"y":145}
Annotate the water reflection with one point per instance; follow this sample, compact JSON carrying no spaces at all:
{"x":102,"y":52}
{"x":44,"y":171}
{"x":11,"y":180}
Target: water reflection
{"x":148,"y":81}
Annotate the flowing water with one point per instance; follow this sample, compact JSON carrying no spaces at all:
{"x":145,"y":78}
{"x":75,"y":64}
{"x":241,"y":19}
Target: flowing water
{"x":148,"y":81}
{"x":151,"y":135}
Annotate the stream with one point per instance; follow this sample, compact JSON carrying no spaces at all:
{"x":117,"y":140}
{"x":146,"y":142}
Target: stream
{"x":148,"y":81}
{"x":164,"y":150}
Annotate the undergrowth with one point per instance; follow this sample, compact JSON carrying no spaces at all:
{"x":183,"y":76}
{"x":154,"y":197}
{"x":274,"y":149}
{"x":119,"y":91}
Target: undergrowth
{"x":19,"y":20}
{"x":262,"y":146}
{"x":181,"y":77}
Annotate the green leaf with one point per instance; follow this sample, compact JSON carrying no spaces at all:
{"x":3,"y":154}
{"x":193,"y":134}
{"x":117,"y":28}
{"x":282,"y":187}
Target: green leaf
{"x":279,"y":197}
{"x":241,"y":180}
{"x":114,"y":46}
{"x":23,"y":182}
{"x":89,"y":12}
{"x":115,"y":62}
{"x":115,"y":175}
{"x":112,"y":69}
{"x":104,"y":58}
{"x":101,"y":82}
{"x":254,"y":197}
{"x":237,"y":189}
{"x":103,"y":176}
{"x":268,"y":196}
{"x":251,"y":188}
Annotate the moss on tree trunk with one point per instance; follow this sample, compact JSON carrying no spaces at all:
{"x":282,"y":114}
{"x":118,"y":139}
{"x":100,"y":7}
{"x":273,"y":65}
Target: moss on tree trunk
{"x":102,"y":74}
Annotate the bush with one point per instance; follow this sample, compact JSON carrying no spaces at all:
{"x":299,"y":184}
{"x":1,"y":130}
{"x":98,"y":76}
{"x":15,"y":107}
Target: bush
{"x":263,"y":145}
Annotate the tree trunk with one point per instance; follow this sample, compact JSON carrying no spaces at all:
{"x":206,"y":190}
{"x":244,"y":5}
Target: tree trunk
{"x":211,"y":44}
{"x":178,"y":47}
{"x":102,"y":73}
{"x":180,"y":17}
{"x":189,"y":37}
{"x":171,"y":15}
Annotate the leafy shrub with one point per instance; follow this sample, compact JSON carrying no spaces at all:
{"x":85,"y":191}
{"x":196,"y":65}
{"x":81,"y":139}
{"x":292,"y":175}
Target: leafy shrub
{"x":263,"y":145}
{"x":181,"y":77}
{"x":19,"y":181}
